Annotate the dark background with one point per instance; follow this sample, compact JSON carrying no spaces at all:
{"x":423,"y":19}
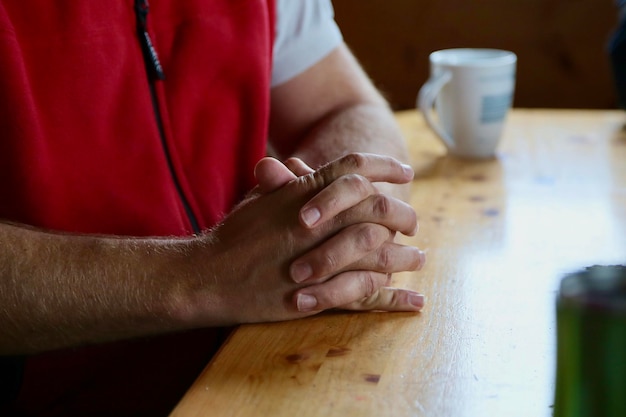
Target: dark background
{"x":561,"y":44}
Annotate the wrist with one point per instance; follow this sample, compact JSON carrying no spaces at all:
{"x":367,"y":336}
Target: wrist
{"x":186,"y":273}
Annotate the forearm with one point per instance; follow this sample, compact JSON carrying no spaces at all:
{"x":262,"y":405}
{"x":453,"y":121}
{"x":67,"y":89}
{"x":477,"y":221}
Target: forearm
{"x":61,"y":290}
{"x":333,"y":109}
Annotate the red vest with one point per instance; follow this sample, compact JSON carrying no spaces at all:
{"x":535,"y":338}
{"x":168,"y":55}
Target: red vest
{"x":90,"y":142}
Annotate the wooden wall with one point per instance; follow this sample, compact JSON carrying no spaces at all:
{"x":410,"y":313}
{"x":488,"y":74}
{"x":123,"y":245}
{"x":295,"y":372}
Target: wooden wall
{"x":561,"y":44}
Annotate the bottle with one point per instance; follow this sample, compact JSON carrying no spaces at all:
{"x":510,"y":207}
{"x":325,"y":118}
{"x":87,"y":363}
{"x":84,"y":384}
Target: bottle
{"x":591,"y":343}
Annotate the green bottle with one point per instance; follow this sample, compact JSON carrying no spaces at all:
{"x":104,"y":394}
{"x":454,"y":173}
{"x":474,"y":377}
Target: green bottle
{"x":591,"y":343}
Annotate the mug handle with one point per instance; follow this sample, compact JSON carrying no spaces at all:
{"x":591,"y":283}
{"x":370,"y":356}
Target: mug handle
{"x":426,"y":99}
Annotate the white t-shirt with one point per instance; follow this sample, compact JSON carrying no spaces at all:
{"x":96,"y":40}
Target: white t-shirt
{"x":306,"y":32}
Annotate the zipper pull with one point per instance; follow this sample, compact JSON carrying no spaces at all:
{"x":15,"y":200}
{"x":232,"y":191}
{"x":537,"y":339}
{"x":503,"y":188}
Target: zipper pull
{"x":151,"y":58}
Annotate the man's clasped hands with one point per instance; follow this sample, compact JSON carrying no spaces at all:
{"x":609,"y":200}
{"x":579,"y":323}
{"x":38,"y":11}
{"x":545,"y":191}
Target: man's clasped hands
{"x":309,"y":240}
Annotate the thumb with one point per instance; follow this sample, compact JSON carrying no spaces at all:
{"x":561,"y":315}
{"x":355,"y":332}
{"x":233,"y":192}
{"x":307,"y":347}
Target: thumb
{"x":272,"y":174}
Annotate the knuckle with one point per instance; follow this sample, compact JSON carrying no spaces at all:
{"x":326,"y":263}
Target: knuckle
{"x":394,"y":299}
{"x":385,"y":259}
{"x":359,"y":184}
{"x":370,"y":284}
{"x":367,"y":237}
{"x":381,"y":206}
{"x":380,"y":299}
{"x":313,"y":181}
{"x":355,"y":161}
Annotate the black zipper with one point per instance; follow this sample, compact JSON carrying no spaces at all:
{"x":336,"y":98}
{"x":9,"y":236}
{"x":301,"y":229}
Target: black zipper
{"x":155,"y":73}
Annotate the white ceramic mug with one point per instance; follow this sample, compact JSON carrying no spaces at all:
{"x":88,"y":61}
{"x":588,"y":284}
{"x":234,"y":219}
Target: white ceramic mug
{"x":472,"y":92}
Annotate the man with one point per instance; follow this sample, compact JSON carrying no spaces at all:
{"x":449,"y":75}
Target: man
{"x":131,"y":133}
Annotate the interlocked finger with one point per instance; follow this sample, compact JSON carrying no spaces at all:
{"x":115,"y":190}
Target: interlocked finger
{"x":389,"y":299}
{"x":373,"y":167}
{"x":344,"y":249}
{"x":347,"y":181}
{"x":298,"y":166}
{"x":345,"y":192}
{"x":359,"y":247}
{"x":390,"y":212}
{"x":344,"y":289}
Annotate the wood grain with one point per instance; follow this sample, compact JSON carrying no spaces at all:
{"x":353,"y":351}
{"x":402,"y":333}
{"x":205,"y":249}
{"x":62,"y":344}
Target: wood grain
{"x":498,"y":234}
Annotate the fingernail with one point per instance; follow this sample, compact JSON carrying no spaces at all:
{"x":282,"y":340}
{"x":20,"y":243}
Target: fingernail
{"x":310,"y":216}
{"x":301,"y":271}
{"x":408,"y":171}
{"x":422,"y":257}
{"x":306,"y":302}
{"x":417,"y":300}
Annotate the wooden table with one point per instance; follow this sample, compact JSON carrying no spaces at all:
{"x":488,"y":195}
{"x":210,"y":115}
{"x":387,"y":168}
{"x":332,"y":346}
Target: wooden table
{"x":499,"y":235}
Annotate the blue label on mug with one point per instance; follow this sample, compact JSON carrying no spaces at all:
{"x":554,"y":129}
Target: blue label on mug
{"x":495,"y":107}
